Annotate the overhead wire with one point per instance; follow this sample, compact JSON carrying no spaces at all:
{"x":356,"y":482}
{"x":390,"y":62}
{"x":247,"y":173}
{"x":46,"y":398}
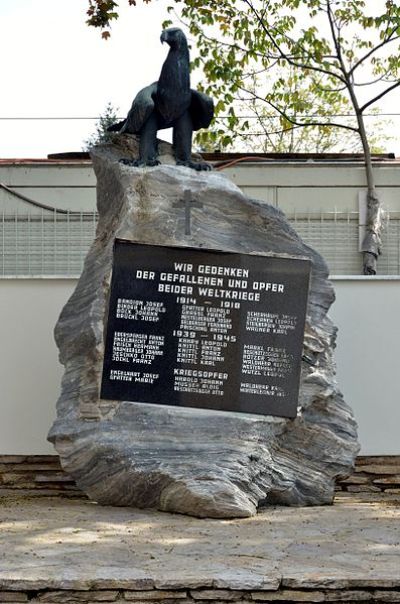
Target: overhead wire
{"x":39,"y":204}
{"x":219,"y":117}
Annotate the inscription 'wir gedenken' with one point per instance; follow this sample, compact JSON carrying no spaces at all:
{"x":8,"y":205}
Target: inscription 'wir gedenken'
{"x":184,"y":275}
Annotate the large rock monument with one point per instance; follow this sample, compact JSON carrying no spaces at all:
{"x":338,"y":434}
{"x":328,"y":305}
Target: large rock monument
{"x":198,"y":461}
{"x":197,"y":377}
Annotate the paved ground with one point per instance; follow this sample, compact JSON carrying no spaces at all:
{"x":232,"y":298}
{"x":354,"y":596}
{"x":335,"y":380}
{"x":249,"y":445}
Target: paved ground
{"x":55,"y":543}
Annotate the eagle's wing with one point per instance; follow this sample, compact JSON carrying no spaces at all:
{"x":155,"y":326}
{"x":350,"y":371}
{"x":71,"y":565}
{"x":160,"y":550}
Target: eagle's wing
{"x":142,"y":107}
{"x":201,"y":110}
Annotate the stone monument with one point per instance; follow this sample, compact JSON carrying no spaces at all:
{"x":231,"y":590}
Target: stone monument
{"x":199,"y":373}
{"x":192,"y":460}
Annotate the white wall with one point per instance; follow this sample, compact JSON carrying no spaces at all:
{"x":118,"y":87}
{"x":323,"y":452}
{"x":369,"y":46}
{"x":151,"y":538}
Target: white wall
{"x":368,"y":351}
{"x":289,"y":185}
{"x":315,"y":185}
{"x":63,"y":185}
{"x":29,"y":370}
{"x":366,"y":312}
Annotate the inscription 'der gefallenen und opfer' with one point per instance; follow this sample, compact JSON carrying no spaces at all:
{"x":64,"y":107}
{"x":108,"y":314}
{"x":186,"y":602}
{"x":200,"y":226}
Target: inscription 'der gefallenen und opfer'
{"x":204,"y":328}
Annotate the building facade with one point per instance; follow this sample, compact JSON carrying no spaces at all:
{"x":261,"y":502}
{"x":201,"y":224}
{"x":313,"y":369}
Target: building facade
{"x":48,"y":215}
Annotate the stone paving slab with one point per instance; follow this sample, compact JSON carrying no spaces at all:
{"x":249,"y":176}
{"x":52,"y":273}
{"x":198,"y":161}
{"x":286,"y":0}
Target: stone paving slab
{"x":60,"y":544}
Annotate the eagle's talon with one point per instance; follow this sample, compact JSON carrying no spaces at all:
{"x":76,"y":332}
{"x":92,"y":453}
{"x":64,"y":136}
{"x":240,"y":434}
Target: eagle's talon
{"x":195,"y":165}
{"x":150,"y":162}
{"x":139,"y":163}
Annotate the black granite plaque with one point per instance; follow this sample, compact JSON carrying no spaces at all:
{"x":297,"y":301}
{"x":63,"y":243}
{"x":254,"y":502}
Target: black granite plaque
{"x":205,"y":328}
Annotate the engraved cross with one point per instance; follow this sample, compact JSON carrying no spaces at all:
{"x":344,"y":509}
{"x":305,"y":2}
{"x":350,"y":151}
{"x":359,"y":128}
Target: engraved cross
{"x":188,"y":204}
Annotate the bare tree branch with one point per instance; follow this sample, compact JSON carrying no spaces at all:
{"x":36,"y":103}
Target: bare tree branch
{"x":373,"y":50}
{"x":230,"y":45}
{"x":336,"y":43}
{"x":261,"y":122}
{"x":285,"y":56}
{"x":381,"y":78}
{"x":294,"y":122}
{"x":379,"y":96}
{"x":282,"y":131}
{"x":250,"y":74}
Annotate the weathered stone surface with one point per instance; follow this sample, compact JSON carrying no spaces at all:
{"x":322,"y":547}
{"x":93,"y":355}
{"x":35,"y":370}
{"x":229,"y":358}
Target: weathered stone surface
{"x":184,"y":460}
{"x":386,"y":596}
{"x":244,"y":579}
{"x":363,"y":488}
{"x":170,"y":600}
{"x":216,"y":594}
{"x":154,"y":594}
{"x":289,"y":595}
{"x":9,"y":478}
{"x":349,"y":596}
{"x":42,"y":459}
{"x":12,"y":458}
{"x":282,"y":595}
{"x":356,"y":479}
{"x":40,"y":492}
{"x":377,"y":469}
{"x":383,"y":460}
{"x":58,"y":544}
{"x":318,"y":580}
{"x":28,"y":467}
{"x":245,"y":600}
{"x":186,"y":580}
{"x":78,"y":596}
{"x":53,"y":477}
{"x":13,"y":596}
{"x":389,"y":480}
{"x":388,"y":495}
{"x":107,"y":578}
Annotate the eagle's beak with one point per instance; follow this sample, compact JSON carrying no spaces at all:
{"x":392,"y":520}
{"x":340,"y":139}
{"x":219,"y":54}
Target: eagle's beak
{"x":163,"y":37}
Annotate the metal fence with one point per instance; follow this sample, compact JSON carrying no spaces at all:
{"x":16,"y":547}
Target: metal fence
{"x":337,"y":237}
{"x":54,"y":243}
{"x":46,"y":243}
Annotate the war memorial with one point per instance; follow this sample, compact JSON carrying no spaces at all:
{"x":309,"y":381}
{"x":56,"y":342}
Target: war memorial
{"x":199,"y":415}
{"x":199,"y":372}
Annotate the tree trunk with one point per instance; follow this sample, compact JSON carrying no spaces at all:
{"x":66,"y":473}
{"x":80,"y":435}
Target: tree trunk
{"x":371,"y":245}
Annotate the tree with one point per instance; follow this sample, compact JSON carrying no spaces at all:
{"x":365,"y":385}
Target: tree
{"x":101,"y":135}
{"x":339,"y":49}
{"x":263,"y":130}
{"x":102,"y":12}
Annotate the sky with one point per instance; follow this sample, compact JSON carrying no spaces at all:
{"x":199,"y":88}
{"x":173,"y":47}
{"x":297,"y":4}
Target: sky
{"x":54,"y":65}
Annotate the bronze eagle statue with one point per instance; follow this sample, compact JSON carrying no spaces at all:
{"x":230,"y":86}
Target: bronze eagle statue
{"x":170,"y":102}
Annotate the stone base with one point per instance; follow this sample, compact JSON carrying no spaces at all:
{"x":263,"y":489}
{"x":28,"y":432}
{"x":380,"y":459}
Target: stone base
{"x":42,"y":475}
{"x":57,"y":550}
{"x":207,"y":596}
